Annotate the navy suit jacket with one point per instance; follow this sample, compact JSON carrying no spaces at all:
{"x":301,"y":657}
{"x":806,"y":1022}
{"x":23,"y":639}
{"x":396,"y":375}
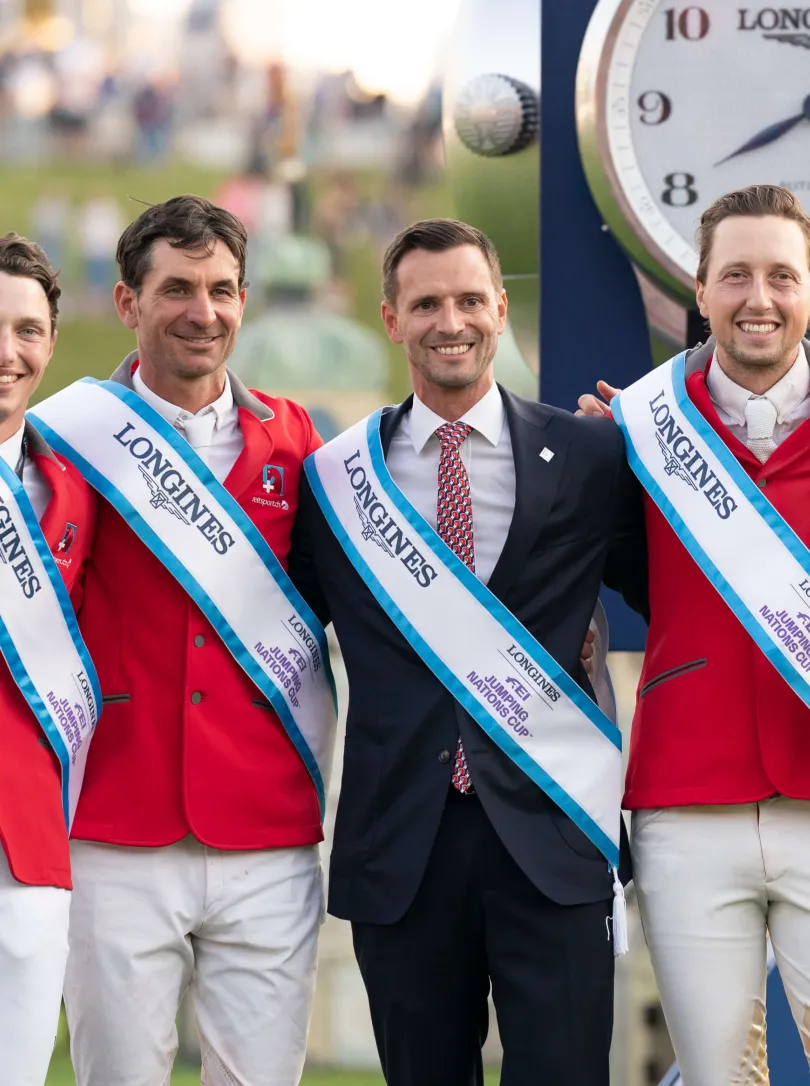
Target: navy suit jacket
{"x":578,"y":521}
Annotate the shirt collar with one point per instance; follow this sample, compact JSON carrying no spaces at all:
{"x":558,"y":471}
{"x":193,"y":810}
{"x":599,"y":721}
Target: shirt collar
{"x":222,"y":406}
{"x":485,"y":417}
{"x":11,"y":448}
{"x":785,"y":395}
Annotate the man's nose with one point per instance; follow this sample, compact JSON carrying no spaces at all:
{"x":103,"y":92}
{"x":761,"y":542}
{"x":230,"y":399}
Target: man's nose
{"x":449,"y":321}
{"x":759,"y":294}
{"x":8,"y":347}
{"x":201,"y":310}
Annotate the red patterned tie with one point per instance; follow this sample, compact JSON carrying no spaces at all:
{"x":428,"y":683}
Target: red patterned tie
{"x":455,"y":526}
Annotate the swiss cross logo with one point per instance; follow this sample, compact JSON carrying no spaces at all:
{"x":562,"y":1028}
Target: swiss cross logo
{"x":68,"y":539}
{"x":273,"y":480}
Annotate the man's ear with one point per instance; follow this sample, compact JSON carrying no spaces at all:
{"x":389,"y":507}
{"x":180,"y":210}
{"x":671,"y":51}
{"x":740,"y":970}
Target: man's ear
{"x":503,"y":305}
{"x":700,"y":297}
{"x":389,"y":319}
{"x":126,"y":304}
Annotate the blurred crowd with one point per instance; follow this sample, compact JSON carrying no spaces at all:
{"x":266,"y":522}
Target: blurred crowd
{"x":68,"y":92}
{"x":322,"y":171}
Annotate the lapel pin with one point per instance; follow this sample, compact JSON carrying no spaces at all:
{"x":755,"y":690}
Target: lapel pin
{"x":546,"y":455}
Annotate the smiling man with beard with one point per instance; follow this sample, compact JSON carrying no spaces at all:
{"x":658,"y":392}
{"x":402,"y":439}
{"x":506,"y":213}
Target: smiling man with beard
{"x":464,"y":855}
{"x":195,"y":845}
{"x":718,"y":778}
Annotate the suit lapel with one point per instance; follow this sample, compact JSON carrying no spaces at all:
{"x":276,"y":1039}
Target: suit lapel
{"x":537,"y":482}
{"x":55,"y":518}
{"x":257,"y":452}
{"x":390,"y":420}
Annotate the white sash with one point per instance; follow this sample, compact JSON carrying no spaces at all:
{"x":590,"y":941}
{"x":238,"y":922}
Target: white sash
{"x":748,"y":552}
{"x":490,"y":663}
{"x":170,"y":499}
{"x":40,"y":639}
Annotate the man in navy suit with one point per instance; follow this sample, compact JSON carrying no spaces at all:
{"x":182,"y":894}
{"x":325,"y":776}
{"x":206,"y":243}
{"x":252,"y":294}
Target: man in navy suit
{"x":456,"y":870}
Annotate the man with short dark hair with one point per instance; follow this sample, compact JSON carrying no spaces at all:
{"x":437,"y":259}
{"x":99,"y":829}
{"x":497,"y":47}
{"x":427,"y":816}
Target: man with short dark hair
{"x":195,"y":847}
{"x":458,"y":542}
{"x":48,"y":704}
{"x":718,"y":779}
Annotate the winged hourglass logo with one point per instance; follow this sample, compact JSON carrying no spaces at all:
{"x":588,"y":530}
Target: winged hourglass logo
{"x":160,"y":499}
{"x":369,"y":531}
{"x":674,"y":466}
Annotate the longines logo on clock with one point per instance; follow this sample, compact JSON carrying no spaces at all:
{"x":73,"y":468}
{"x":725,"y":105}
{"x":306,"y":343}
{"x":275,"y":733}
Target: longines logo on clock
{"x":678,"y":103}
{"x":780,"y":19}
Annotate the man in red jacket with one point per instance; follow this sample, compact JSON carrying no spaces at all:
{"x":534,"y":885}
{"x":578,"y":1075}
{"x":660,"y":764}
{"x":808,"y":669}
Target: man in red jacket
{"x":195,"y":846}
{"x":36,"y":485}
{"x":719,"y":773}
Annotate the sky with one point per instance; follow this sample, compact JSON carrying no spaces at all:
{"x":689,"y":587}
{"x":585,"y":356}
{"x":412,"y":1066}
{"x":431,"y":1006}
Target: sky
{"x":393,"y":46}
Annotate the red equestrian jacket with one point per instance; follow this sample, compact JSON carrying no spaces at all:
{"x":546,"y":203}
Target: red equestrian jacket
{"x":187,"y":744}
{"x":714,"y":720}
{"x":32,"y":824}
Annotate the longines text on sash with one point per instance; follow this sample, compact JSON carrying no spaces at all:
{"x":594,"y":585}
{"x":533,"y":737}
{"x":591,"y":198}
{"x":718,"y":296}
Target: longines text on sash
{"x":394,"y":537}
{"x":183,"y":496}
{"x":13,"y":553}
{"x":684,"y":450}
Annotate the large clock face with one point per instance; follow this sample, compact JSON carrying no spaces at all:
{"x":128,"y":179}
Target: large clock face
{"x":679,"y":103}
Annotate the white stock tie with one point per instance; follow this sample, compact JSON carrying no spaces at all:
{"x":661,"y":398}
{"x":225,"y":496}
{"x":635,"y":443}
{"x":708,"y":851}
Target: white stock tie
{"x":760,"y":418}
{"x":198,"y":431}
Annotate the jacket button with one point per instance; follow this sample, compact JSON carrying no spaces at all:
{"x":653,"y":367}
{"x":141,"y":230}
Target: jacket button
{"x":196,"y":698}
{"x":762,"y":483}
{"x":444,"y":757}
{"x":199,"y":641}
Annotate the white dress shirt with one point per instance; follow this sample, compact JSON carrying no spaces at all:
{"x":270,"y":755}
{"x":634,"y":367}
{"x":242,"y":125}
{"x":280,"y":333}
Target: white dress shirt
{"x":790,"y":396}
{"x":413,"y":460}
{"x":38,"y":491}
{"x":221,"y":451}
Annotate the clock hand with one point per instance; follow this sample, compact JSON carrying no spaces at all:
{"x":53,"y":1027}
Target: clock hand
{"x":763,"y":138}
{"x":770,"y":134}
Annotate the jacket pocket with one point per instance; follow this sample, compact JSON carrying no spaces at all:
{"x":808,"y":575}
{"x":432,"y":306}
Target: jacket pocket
{"x":672,"y":673}
{"x":115,"y":699}
{"x":573,"y":836}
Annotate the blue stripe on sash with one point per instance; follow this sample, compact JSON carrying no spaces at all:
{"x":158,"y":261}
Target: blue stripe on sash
{"x":9,"y":650}
{"x":751,"y":492}
{"x":741,"y":478}
{"x":243,"y":657}
{"x":483,"y":595}
{"x":456,"y":687}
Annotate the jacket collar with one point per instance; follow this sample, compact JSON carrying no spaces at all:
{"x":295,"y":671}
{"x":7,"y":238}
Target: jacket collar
{"x":535,"y":490}
{"x":696,"y":362}
{"x":253,"y":414}
{"x":242,"y":396}
{"x":37,"y":445}
{"x":534,"y":414}
{"x":697,"y":359}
